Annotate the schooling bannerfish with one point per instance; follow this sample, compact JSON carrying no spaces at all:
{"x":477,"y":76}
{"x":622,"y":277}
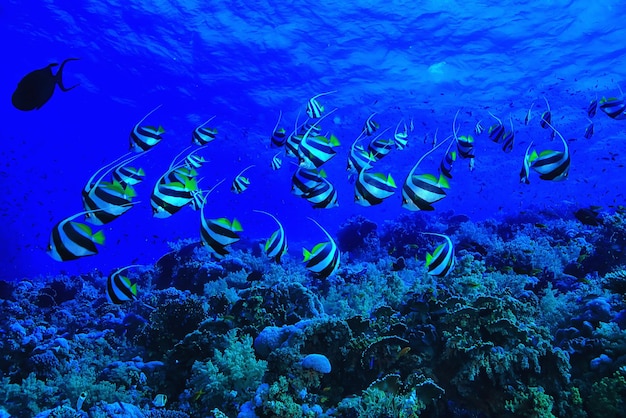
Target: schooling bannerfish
{"x":37,"y":87}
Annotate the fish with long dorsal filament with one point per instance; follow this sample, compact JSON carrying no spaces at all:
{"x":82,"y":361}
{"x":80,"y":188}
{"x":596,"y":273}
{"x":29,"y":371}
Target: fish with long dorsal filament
{"x":276,"y":245}
{"x":323,"y":260}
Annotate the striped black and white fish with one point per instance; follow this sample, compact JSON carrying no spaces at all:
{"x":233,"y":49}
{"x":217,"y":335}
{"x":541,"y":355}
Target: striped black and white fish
{"x":614,"y":107}
{"x":401,"y":138}
{"x":592,"y":108}
{"x":240,"y":183}
{"x":447,"y":161}
{"x":380,"y":147}
{"x":420,"y":191}
{"x":358,"y":159}
{"x":372,"y":188}
{"x":293,"y":144}
{"x":276,"y":245}
{"x":528,"y":116}
{"x":524,"y":175}
{"x":323,"y":260}
{"x":508,"y":139}
{"x":128,"y":176}
{"x":323,"y":195}
{"x":142,"y":138}
{"x":119,"y":288}
{"x":546,"y":116}
{"x":496,"y":131}
{"x":589,"y":130}
{"x":106,"y":201}
{"x":465,"y":146}
{"x":279,"y":135}
{"x":70,"y":240}
{"x":304,"y":180}
{"x":464,"y":143}
{"x":202,"y":135}
{"x":175,"y":189}
{"x":194,"y":161}
{"x":553,"y":165}
{"x":315,"y":149}
{"x":218,"y":234}
{"x":313,"y":108}
{"x":441,"y":262}
{"x":277,"y":162}
{"x":370,"y":126}
{"x":478,"y":128}
{"x":170,"y":197}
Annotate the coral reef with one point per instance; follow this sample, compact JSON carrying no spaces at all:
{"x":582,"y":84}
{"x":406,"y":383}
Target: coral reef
{"x":531,"y":322}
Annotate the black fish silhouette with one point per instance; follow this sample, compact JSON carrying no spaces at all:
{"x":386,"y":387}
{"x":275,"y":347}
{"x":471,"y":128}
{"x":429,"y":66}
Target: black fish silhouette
{"x":36,"y":88}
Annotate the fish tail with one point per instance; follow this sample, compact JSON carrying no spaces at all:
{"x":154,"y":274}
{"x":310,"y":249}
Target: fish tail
{"x":59,"y":76}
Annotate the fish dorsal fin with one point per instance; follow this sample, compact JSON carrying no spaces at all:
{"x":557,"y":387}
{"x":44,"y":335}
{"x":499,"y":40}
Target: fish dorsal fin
{"x":565,"y":146}
{"x":148,"y":114}
{"x":209,"y":120}
{"x":433,"y":149}
{"x":242,"y":171}
{"x":280,"y":115}
{"x":330,"y":238}
{"x":440,"y":247}
{"x":308,"y":131}
{"x":496,"y":118}
{"x":106,"y":169}
{"x":280,"y":226}
{"x":317,"y":96}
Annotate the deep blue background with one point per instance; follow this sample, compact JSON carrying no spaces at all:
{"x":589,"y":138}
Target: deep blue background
{"x":245,"y":61}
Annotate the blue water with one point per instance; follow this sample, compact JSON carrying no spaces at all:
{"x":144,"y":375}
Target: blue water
{"x":530,"y":320}
{"x":244,"y":62}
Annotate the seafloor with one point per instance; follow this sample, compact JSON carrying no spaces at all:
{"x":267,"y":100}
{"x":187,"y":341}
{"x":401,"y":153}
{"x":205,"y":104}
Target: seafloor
{"x":531,"y":323}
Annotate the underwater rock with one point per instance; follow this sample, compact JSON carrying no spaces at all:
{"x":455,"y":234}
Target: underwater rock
{"x":317,"y":362}
{"x":601,"y":362}
{"x":281,"y":304}
{"x":184,"y":270}
{"x":356,"y":233}
{"x":271,"y":338}
{"x":6,"y":291}
{"x":596,"y":310}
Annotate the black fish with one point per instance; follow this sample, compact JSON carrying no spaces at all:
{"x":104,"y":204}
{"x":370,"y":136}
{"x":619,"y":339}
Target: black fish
{"x":36,"y":88}
{"x":588,"y":216}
